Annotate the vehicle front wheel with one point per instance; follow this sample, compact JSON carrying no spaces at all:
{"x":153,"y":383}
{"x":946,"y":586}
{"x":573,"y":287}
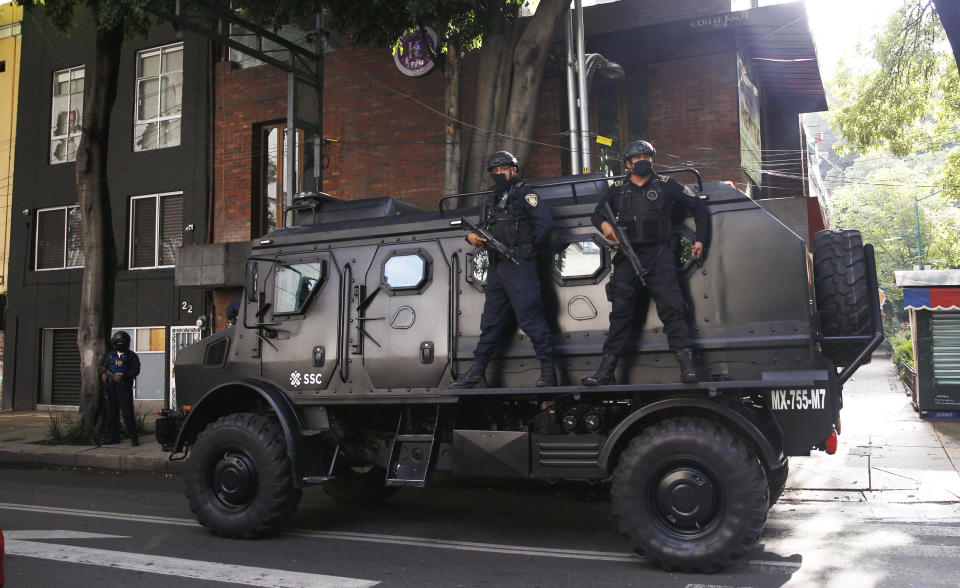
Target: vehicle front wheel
{"x":689,"y":495}
{"x":239,"y":477}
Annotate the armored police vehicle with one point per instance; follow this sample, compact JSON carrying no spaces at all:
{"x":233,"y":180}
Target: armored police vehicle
{"x":356,"y":317}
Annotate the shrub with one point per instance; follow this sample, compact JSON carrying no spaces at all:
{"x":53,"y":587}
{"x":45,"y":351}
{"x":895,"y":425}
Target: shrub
{"x":902,"y":349}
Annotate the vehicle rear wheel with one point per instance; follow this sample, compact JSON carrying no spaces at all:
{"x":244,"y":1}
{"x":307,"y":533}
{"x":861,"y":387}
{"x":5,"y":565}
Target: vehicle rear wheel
{"x":689,"y":496}
{"x":359,"y":485}
{"x":239,"y":477}
{"x":842,"y":290}
{"x":776,"y":482}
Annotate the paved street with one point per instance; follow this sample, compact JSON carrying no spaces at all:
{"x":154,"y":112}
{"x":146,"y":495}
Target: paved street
{"x":884,"y":511}
{"x":104,"y":529}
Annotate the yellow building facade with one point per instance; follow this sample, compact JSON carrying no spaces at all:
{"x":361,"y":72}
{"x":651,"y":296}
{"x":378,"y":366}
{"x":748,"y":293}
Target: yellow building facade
{"x":10,"y":18}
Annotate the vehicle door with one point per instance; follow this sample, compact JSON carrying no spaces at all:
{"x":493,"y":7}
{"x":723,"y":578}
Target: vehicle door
{"x":402,"y":316}
{"x":575,"y":296}
{"x":300,"y":310}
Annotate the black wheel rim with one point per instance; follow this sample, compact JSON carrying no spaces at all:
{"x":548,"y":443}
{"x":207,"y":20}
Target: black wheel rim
{"x":686,"y":499}
{"x":234,"y":480}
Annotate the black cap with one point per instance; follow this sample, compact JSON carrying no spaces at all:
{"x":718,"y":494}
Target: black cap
{"x":636,"y":148}
{"x":501,"y":158}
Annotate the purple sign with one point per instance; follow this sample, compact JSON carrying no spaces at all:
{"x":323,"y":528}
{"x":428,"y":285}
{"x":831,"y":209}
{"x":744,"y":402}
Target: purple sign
{"x":413,"y":54}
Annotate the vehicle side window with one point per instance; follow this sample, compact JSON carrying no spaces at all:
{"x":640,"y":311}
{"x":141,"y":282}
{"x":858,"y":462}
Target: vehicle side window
{"x":580,"y":259}
{"x":406,"y":272}
{"x":294,"y":285}
{"x":579,"y":262}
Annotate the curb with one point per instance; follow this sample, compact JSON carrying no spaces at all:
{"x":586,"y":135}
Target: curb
{"x":21,"y":456}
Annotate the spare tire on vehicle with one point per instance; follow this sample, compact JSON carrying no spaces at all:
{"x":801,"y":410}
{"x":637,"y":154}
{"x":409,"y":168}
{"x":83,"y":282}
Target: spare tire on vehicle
{"x":842,"y":292}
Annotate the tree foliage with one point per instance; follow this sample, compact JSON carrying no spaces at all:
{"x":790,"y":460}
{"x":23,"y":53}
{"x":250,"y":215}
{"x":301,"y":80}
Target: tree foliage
{"x":878,"y":199}
{"x":910,"y":101}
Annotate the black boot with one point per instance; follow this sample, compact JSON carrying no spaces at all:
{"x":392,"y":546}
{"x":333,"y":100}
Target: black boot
{"x":473,"y":378}
{"x":688,"y":373}
{"x":605,"y":373}
{"x":548,"y":375}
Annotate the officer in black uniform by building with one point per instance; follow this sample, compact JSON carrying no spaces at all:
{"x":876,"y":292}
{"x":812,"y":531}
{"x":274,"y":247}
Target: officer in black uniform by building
{"x":515,"y":215}
{"x":644,"y":206}
{"x":120,"y":367}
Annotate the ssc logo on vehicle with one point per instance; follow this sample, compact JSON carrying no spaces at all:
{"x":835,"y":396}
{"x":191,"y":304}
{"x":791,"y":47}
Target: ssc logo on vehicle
{"x":798,"y":399}
{"x":296,"y":379}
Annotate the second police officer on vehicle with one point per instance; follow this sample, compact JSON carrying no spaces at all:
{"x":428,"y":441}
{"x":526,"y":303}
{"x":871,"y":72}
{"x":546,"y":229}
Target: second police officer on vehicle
{"x":644,"y":205}
{"x":516,"y":216}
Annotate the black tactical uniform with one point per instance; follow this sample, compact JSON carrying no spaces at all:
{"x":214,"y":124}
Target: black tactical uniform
{"x":646,"y":214}
{"x":118,"y":395}
{"x":516,"y":216}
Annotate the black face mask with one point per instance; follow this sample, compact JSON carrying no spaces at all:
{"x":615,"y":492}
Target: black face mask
{"x":642,"y":168}
{"x":500,"y":179}
{"x":120,"y":346}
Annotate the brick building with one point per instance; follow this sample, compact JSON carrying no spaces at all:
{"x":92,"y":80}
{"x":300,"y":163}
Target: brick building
{"x":688,"y":65}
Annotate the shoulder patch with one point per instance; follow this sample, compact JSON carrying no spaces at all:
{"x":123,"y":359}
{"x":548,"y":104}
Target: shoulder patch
{"x":531,"y":199}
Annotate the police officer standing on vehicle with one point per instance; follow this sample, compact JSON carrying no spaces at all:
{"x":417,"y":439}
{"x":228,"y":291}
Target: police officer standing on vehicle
{"x":644,"y":206}
{"x":120,"y":367}
{"x":516,"y":216}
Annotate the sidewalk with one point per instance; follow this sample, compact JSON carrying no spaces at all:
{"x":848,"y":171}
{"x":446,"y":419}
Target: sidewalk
{"x":886,"y":453}
{"x":20,"y":433}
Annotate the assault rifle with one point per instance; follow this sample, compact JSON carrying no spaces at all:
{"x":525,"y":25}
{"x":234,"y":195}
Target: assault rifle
{"x":624,"y":244}
{"x":492,"y":244}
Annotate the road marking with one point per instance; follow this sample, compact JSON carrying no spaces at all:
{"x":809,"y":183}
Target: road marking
{"x":16,"y":544}
{"x":378,"y":538}
{"x":59,"y":534}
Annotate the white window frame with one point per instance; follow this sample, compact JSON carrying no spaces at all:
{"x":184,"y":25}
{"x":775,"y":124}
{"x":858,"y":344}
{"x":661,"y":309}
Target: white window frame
{"x":136,"y":99}
{"x":53,"y":123}
{"x":36,"y":239}
{"x":156,"y":231}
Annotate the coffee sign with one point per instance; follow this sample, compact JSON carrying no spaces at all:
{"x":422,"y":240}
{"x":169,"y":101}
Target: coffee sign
{"x":412,"y":54}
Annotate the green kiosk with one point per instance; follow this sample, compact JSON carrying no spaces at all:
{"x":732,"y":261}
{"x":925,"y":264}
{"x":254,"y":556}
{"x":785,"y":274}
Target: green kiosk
{"x":932,"y":298}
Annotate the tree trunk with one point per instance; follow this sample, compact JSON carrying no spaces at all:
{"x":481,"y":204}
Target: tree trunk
{"x":452,"y":164}
{"x":493,"y":96}
{"x":529,"y":60}
{"x":100,"y":265}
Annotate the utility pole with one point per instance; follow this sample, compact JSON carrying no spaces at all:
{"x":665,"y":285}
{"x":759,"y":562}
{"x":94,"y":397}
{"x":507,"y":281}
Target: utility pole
{"x":916,"y":214}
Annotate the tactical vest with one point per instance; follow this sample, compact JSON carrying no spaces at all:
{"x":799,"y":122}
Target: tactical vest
{"x":644,"y":213}
{"x":506,"y":220}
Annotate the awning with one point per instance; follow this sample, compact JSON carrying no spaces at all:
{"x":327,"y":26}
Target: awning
{"x":932,"y":298}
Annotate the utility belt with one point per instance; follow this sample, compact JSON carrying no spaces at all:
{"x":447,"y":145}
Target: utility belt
{"x":521,"y":252}
{"x":652,"y":229}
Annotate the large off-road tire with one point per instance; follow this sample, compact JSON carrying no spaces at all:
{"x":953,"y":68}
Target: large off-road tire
{"x":239,"y":477}
{"x":777,"y":482}
{"x":689,"y":495}
{"x":843,"y":292}
{"x":359,"y":486}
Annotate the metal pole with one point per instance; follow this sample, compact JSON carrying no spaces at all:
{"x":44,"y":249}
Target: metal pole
{"x":582,"y":85}
{"x":916,"y":213}
{"x":289,"y":148}
{"x":572,"y":99}
{"x":320,"y":145}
